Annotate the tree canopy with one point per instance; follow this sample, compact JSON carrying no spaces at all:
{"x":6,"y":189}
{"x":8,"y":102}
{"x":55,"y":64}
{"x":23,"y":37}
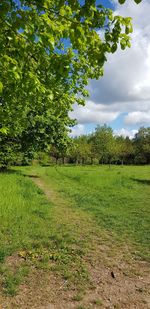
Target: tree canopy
{"x":49,"y":49}
{"x":103,"y":146}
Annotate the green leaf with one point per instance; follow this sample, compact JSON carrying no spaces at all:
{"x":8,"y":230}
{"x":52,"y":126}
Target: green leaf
{"x":121,"y":1}
{"x":4,"y":130}
{"x":51,"y":96}
{"x":1,"y":87}
{"x":129,"y":44}
{"x":123,"y":44}
{"x":138,"y":1}
{"x":16,"y":75}
{"x":114,"y":48}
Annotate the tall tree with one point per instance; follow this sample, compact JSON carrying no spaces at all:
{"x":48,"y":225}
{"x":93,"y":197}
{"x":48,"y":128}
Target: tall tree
{"x":124,"y":149}
{"x":104,"y":143}
{"x":83,"y":149}
{"x":49,"y":49}
{"x":142,"y":146}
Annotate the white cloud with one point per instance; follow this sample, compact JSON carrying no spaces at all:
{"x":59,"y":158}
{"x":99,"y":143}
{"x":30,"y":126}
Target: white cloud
{"x":93,"y":113}
{"x":127,"y":73}
{"x":139,"y":118}
{"x":125,"y":87}
{"x":124,"y":132}
{"x":77,"y":130}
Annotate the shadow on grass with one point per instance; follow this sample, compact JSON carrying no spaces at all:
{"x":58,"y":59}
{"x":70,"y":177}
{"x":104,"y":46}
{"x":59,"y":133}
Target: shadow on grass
{"x":45,"y":165}
{"x":142,"y":181}
{"x":17,"y":172}
{"x":9,"y":171}
{"x":30,"y":176}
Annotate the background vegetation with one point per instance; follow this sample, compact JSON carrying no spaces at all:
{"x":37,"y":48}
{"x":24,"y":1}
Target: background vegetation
{"x":100,"y":147}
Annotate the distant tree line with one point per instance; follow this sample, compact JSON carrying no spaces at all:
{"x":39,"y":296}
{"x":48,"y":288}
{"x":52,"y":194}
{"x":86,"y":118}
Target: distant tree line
{"x":100,"y":147}
{"x":103,"y":147}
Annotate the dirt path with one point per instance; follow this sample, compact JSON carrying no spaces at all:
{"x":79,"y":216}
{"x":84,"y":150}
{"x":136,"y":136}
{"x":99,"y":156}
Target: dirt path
{"x":116,"y":280}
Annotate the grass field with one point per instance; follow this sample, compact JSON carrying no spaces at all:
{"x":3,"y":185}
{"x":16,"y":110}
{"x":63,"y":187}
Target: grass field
{"x":118,"y":199}
{"x":114,"y":203}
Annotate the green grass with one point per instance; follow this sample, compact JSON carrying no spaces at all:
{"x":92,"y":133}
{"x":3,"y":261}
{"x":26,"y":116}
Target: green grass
{"x":118,"y":199}
{"x":55,"y":235}
{"x":38,"y":232}
{"x":24,"y":214}
{"x":11,"y":279}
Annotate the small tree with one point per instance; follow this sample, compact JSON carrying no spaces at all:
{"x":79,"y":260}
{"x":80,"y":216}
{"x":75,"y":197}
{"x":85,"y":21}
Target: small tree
{"x":104,"y":143}
{"x":142,"y":146}
{"x":82,"y":149}
{"x":124,"y":149}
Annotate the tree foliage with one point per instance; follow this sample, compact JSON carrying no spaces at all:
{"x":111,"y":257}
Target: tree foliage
{"x":104,"y":143}
{"x":124,"y":149}
{"x":123,"y":1}
{"x":103,"y":146}
{"x":142,"y":145}
{"x":49,"y":49}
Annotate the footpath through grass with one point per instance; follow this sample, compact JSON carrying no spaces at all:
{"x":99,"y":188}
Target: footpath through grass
{"x":118,"y":199}
{"x":54,"y":235}
{"x":36,"y":232}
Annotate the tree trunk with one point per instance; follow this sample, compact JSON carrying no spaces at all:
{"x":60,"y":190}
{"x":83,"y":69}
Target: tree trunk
{"x":3,"y":168}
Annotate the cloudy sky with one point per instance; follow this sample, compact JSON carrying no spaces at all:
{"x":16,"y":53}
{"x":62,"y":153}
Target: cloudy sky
{"x":121,"y":98}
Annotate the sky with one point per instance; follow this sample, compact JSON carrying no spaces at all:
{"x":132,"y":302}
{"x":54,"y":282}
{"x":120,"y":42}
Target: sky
{"x":121,"y":98}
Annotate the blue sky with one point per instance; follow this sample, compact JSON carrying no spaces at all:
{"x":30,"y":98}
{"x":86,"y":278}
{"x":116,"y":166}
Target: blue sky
{"x":121,"y":98}
{"x":106,"y":3}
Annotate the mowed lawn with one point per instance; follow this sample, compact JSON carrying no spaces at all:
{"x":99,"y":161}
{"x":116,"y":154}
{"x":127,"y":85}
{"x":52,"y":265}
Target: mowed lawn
{"x":116,"y":200}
